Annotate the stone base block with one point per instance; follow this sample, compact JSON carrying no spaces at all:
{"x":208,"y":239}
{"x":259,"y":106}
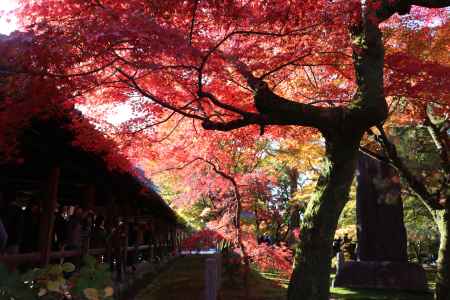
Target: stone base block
{"x":382,"y":275}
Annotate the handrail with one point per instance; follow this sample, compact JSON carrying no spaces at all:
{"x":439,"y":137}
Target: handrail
{"x":36,"y":256}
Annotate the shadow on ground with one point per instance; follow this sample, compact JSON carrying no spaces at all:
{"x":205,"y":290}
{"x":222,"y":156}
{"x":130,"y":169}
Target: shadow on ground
{"x":184,"y":280}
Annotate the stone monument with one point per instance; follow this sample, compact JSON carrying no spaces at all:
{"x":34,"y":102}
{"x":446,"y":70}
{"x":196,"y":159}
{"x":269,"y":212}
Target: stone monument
{"x":382,"y":260}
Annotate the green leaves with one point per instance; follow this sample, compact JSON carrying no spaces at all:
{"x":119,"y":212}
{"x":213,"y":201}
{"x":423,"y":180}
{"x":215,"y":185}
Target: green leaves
{"x":13,"y":286}
{"x":92,"y":282}
{"x":68,"y":267}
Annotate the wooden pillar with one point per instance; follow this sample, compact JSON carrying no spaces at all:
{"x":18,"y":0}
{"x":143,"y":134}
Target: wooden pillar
{"x":178,"y":233}
{"x":155,"y":232}
{"x":109,"y":224}
{"x":170,"y":241}
{"x":180,"y":239}
{"x":159,"y":242}
{"x":124,"y":260}
{"x":50,"y":197}
{"x":173,"y":239}
{"x":163,"y":238}
{"x":150,"y":224}
{"x":139,"y":241}
{"x":88,"y":203}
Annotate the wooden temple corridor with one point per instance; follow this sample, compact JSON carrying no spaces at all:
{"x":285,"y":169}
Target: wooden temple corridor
{"x":61,"y":202}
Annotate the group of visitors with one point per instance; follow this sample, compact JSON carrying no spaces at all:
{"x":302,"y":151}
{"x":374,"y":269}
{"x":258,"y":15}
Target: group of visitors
{"x":71,"y":230}
{"x":345,"y":246}
{"x":19,"y":228}
{"x":78,"y":229}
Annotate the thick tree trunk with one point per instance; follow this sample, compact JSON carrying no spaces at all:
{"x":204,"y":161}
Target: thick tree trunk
{"x":311,"y":277}
{"x":443,"y":264}
{"x":257,"y":223}
{"x":50,"y":193}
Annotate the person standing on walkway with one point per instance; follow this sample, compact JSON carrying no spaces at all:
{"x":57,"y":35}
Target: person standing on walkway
{"x":119,"y":243}
{"x":74,"y":228}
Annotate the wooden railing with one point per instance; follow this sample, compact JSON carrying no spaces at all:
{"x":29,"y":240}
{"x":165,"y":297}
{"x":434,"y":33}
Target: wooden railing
{"x":35,"y":257}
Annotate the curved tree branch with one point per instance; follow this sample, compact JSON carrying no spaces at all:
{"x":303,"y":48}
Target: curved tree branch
{"x":415,"y":183}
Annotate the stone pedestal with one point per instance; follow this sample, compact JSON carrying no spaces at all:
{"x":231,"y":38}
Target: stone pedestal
{"x":382,"y":275}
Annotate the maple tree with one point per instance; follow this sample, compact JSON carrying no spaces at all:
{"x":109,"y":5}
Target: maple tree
{"x":202,"y":240}
{"x":225,"y":169}
{"x":227,"y":65}
{"x":228,"y":178}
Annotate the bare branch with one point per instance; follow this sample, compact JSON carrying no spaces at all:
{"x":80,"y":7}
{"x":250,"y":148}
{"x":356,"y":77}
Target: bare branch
{"x":171,"y":131}
{"x":221,"y":104}
{"x":147,"y":94}
{"x":177,"y":168}
{"x":415,"y":183}
{"x":154,"y":124}
{"x":191,"y":30}
{"x":291,"y":62}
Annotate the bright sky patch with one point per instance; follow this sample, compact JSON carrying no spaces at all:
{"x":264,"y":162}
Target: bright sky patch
{"x":8,"y":23}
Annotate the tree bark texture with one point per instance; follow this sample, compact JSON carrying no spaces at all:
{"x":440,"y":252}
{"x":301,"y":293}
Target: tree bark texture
{"x":443,"y":263}
{"x":311,"y":277}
